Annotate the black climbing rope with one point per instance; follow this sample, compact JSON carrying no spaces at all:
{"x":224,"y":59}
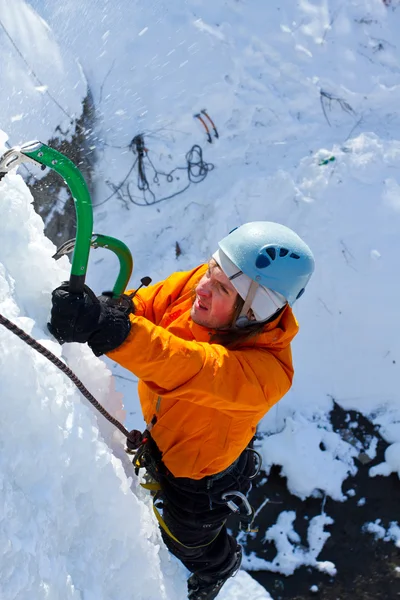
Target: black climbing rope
{"x":133,"y":436}
{"x":196,"y":170}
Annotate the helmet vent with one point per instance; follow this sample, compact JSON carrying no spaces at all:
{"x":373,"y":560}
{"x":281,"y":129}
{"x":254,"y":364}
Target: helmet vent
{"x":283,"y":252}
{"x":262,"y":261}
{"x":271,"y":253}
{"x":293,"y":255}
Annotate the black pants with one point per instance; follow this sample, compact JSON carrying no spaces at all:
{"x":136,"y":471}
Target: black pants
{"x":196,"y":514}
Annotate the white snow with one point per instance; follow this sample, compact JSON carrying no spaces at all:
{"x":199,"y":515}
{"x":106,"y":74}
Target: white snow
{"x":42,"y":86}
{"x":288,"y":87}
{"x":296,"y":443}
{"x":73,"y":520}
{"x":391,"y":464}
{"x":392,"y":533}
{"x":290,"y":552}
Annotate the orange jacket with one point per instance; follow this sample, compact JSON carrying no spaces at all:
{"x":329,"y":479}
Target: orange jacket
{"x":208,"y":399}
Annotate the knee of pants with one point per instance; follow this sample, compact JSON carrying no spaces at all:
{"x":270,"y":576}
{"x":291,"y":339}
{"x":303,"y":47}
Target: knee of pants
{"x":188,"y":547}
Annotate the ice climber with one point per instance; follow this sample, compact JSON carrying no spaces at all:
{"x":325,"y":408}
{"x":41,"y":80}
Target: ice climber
{"x":211,"y":349}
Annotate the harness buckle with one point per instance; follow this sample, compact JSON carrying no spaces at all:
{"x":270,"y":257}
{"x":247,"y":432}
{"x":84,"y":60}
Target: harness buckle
{"x":144,"y":458}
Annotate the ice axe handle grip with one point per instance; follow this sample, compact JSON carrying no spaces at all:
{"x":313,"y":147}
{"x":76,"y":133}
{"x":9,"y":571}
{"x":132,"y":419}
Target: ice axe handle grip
{"x":76,"y":284}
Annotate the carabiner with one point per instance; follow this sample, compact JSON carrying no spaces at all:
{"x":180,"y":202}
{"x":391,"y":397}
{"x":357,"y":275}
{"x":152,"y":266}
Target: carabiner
{"x":233,"y":506}
{"x":258,"y":464}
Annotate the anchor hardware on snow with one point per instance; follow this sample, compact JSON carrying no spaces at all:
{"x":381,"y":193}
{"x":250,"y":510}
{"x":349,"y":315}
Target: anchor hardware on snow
{"x":326,"y":161}
{"x":199,"y":116}
{"x":196,"y":170}
{"x":205,"y":113}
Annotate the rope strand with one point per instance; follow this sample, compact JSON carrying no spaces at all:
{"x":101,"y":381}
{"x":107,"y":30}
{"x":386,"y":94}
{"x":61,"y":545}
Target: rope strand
{"x":33,"y":74}
{"x":196,"y":170}
{"x":132,"y":435}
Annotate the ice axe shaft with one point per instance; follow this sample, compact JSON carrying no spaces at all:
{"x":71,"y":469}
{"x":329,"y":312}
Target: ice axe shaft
{"x":40,"y":154}
{"x":120,"y":250}
{"x":72,"y":176}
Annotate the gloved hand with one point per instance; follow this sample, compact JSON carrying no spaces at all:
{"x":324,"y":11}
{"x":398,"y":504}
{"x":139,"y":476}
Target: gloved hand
{"x":85,"y":318}
{"x":74,"y":317}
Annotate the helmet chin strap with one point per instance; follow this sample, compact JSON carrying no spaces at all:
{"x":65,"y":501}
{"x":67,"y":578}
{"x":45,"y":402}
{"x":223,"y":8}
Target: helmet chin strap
{"x":243,"y":320}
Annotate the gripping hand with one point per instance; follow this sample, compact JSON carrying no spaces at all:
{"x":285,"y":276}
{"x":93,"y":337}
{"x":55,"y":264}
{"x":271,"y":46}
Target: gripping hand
{"x":85,"y":318}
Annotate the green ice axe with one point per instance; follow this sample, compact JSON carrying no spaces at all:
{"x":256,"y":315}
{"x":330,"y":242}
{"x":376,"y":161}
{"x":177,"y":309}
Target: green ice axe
{"x":45,"y":156}
{"x":97,"y":240}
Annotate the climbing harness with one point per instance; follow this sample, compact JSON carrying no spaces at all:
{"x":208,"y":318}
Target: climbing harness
{"x":167,"y":530}
{"x":243,"y":508}
{"x":145,"y":457}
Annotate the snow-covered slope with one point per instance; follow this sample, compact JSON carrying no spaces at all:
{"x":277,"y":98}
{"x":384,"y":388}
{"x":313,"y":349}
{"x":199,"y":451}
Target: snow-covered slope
{"x":70,"y":525}
{"x":42,"y":87}
{"x":305,"y":99}
{"x":74,"y":522}
{"x":289,"y":87}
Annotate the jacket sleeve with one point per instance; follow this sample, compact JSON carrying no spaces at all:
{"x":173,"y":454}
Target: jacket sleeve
{"x":153,"y":301}
{"x":200,"y":372}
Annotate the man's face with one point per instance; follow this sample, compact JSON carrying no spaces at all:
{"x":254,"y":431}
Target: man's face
{"x":215,"y":299}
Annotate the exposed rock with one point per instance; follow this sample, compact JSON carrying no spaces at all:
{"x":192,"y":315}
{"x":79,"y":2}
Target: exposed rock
{"x":367,"y":567}
{"x":52,"y":198}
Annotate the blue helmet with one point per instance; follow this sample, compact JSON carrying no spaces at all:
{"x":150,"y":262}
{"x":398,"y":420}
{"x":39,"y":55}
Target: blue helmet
{"x":272,"y":255}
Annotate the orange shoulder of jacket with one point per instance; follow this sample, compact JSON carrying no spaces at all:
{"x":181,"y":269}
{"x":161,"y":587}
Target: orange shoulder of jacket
{"x":153,"y":301}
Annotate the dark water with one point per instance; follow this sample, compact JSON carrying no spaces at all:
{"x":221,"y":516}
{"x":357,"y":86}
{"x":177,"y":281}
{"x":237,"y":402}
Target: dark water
{"x":366,"y":568}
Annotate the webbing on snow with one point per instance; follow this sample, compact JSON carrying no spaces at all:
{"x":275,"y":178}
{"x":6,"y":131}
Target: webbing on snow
{"x":133,"y":436}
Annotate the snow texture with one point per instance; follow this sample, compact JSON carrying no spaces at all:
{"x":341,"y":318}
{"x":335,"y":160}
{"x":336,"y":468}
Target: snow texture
{"x":42,"y":86}
{"x":306,"y":104}
{"x":290,"y":553}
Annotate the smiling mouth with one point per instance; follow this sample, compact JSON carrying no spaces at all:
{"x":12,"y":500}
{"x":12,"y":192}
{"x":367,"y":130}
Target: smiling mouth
{"x":199,"y":305}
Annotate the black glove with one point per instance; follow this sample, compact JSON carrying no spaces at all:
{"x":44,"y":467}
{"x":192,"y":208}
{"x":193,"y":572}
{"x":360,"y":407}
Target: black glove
{"x":113,"y":329}
{"x":85,"y":318}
